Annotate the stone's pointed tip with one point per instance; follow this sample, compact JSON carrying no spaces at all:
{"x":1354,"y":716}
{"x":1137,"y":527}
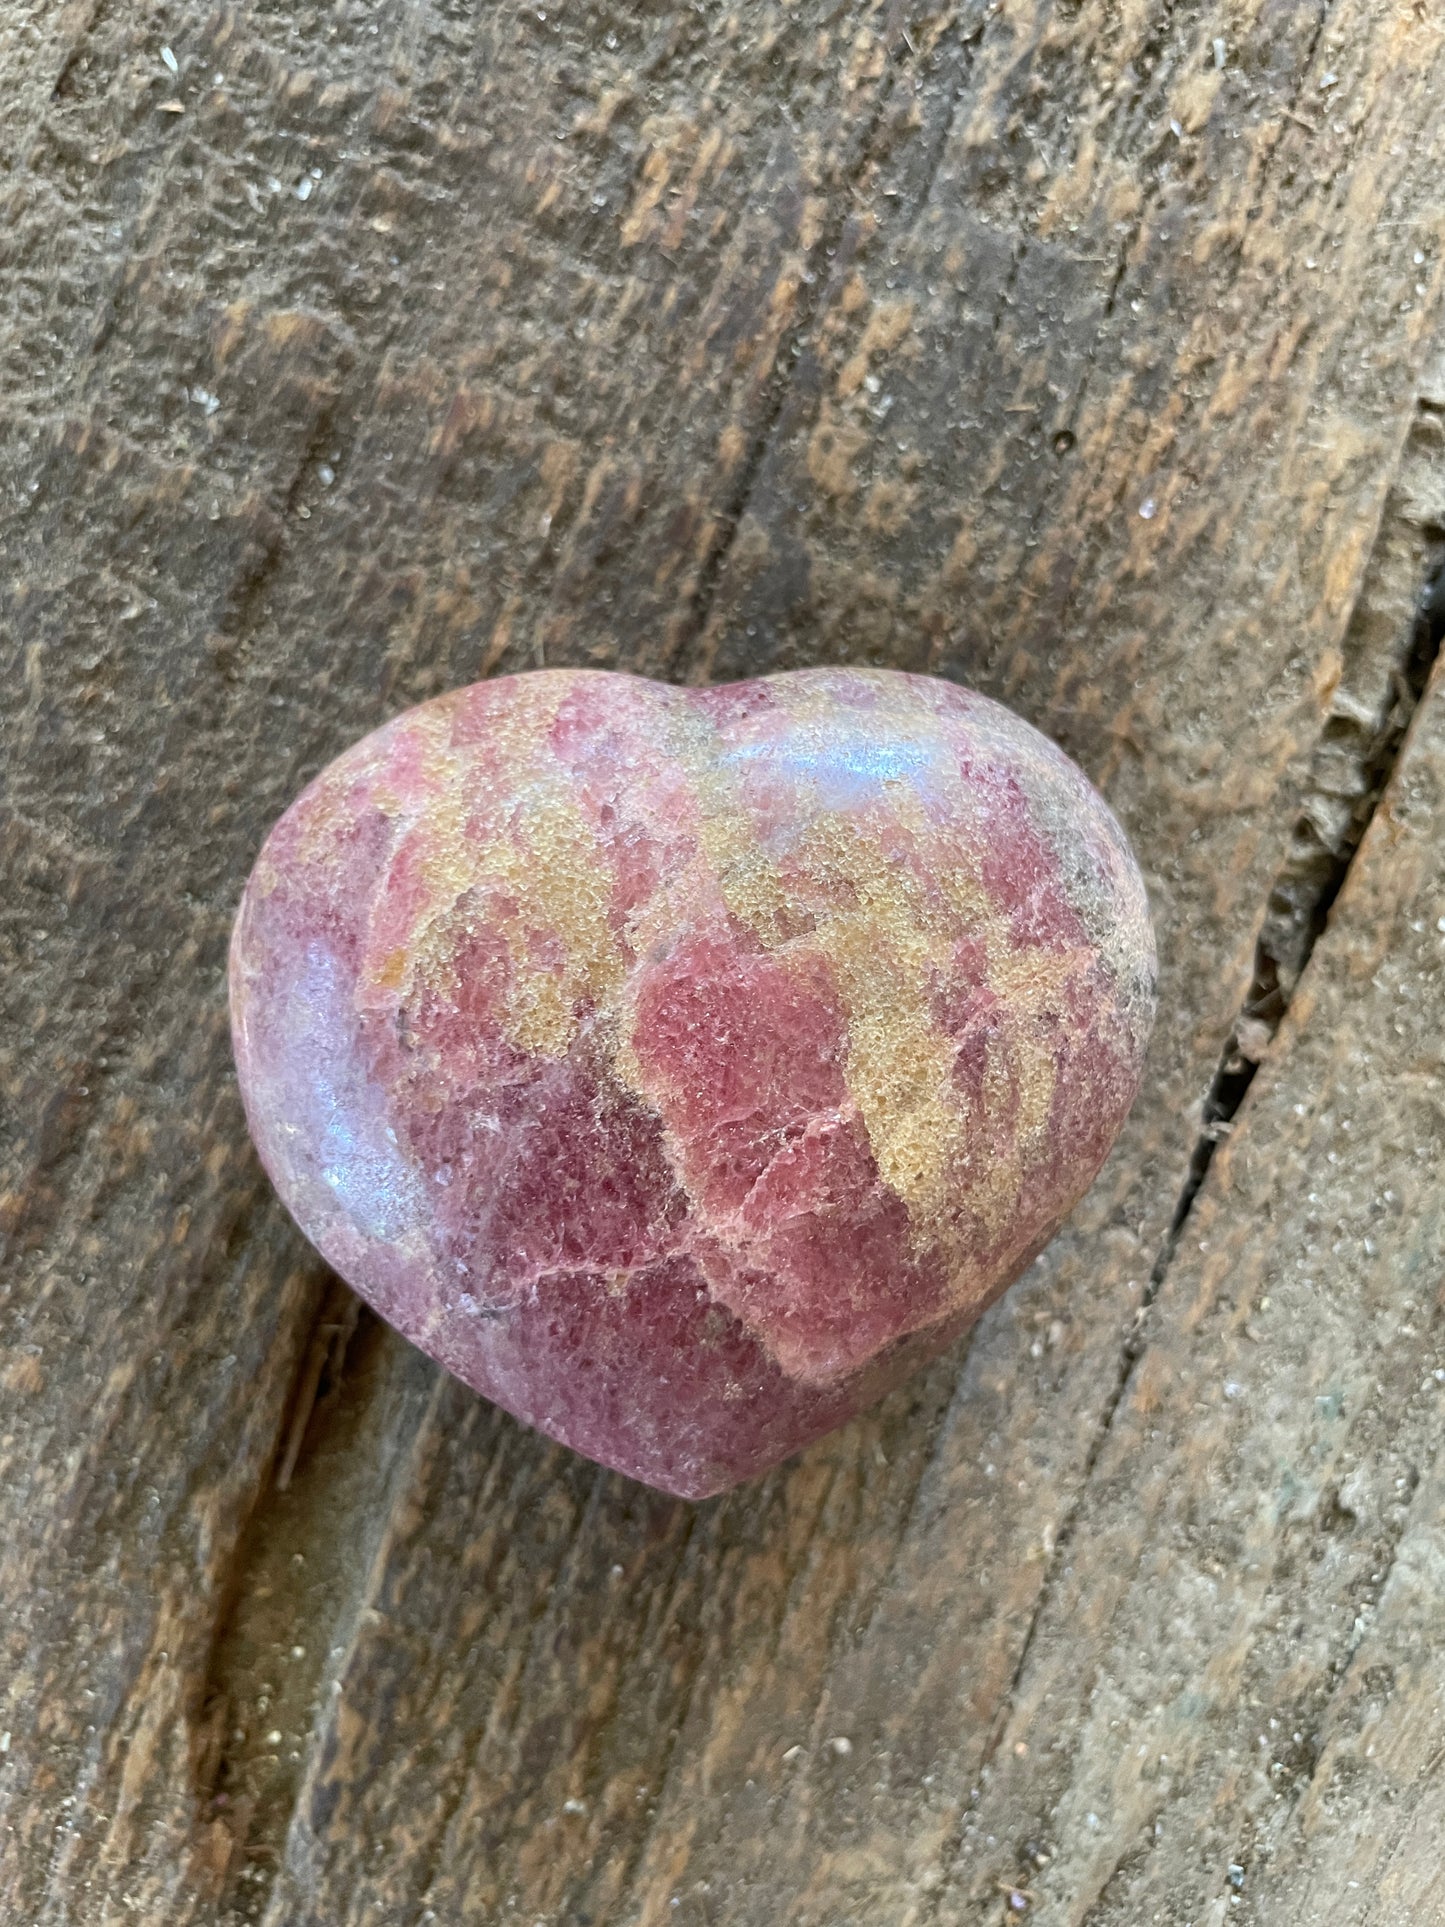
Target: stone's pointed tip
{"x":683,"y":1068}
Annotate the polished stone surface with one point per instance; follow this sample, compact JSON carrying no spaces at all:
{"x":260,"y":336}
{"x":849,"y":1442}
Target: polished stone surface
{"x":682,"y":1067}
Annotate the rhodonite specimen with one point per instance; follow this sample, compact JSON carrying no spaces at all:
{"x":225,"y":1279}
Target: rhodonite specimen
{"x":683,"y":1067}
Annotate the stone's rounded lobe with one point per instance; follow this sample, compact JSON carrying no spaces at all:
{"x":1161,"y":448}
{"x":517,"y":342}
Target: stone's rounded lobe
{"x":679,"y":1067}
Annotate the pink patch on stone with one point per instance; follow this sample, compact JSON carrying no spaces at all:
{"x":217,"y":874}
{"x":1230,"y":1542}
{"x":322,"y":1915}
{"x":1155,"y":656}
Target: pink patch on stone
{"x":655,"y":1221}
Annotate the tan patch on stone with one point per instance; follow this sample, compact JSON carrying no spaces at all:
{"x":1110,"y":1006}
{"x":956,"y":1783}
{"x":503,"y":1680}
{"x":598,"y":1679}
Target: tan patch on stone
{"x":543,"y":863}
{"x":887,"y":934}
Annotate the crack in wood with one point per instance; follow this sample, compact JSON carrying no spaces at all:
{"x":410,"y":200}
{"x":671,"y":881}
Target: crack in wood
{"x":1355,"y":757}
{"x":1353,"y":763}
{"x":325,"y":1361}
{"x":295,"y":1584}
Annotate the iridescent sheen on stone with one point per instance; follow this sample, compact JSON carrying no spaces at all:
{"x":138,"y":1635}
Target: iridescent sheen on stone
{"x":683,"y":1067}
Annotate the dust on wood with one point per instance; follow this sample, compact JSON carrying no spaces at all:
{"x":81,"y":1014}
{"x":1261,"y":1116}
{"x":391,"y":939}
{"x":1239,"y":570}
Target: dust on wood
{"x":1069,"y":351}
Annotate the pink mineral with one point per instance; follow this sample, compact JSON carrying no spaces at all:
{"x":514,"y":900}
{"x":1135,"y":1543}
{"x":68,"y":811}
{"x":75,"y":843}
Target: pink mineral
{"x":683,"y":1067}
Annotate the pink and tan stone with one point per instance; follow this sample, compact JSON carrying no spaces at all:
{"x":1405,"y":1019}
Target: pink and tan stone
{"x":683,"y":1067}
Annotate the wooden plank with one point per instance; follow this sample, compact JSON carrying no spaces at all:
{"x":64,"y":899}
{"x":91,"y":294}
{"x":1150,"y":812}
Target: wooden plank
{"x":1239,"y":1664}
{"x":566,"y":355}
{"x":256,"y":458}
{"x":893,"y":1613}
{"x":1365,"y":1841}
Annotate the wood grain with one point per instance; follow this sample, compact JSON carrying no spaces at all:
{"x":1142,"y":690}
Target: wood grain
{"x":1075,"y":350}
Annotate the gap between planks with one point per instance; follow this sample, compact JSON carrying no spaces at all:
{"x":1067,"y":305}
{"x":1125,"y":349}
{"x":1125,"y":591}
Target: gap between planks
{"x":1369,"y":739}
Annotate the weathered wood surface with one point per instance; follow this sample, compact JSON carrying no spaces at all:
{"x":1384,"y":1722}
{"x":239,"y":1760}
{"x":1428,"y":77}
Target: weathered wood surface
{"x":1080,"y":350}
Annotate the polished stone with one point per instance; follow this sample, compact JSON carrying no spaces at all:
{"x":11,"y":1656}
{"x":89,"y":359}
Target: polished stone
{"x":682,"y":1067}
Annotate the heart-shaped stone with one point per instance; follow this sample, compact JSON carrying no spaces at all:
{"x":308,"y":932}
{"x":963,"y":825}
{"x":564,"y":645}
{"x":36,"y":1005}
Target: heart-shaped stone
{"x":683,"y":1067}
